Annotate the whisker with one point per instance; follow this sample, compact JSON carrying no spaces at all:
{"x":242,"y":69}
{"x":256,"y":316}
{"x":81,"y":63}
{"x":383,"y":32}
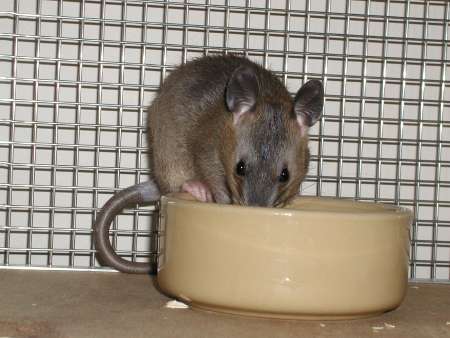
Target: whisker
{"x":303,"y":188}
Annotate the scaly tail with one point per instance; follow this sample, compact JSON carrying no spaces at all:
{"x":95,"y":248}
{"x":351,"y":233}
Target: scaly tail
{"x":139,"y":194}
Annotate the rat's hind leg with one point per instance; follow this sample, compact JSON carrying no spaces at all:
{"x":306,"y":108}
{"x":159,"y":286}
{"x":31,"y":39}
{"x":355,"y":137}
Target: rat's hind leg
{"x":198,"y":189}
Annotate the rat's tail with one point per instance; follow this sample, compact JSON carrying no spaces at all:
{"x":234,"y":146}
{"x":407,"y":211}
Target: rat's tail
{"x":138,"y":194}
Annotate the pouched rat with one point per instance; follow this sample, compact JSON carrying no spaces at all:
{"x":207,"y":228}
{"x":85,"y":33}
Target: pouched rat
{"x":225,"y":130}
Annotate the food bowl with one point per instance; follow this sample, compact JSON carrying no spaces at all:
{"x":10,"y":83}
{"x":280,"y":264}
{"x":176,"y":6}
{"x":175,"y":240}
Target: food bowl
{"x":317,"y":258}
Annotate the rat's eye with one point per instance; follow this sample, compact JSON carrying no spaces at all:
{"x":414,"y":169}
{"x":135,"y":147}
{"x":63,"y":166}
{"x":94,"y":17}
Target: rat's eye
{"x":284,"y":176}
{"x":240,"y":168}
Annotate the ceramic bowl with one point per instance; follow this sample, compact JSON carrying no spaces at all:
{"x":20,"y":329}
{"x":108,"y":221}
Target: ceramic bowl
{"x":317,"y":258}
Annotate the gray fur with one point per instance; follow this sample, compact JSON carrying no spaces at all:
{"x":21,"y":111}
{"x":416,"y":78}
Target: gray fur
{"x":148,"y":191}
{"x":210,"y":114}
{"x":198,"y":101}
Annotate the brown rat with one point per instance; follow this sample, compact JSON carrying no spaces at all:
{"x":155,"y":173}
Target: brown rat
{"x":225,"y":130}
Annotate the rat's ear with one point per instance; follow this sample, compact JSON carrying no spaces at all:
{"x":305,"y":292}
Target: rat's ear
{"x":241,"y":92}
{"x":309,"y":103}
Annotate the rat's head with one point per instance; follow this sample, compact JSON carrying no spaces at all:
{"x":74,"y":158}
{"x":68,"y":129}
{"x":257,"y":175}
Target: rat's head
{"x":269,"y":158}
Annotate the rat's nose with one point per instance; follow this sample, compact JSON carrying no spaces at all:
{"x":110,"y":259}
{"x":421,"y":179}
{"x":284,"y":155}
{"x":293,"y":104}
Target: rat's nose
{"x":259,"y":198}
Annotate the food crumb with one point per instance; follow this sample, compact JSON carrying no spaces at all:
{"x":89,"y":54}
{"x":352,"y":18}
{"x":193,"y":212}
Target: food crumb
{"x":377,"y":328}
{"x":389,"y":326}
{"x":174,"y":304}
{"x":322,"y":325}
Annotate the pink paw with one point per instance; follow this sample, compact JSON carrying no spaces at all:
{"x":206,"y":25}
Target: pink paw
{"x":198,"y":189}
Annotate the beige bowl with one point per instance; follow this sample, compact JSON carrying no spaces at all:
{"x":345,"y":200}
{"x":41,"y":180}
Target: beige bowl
{"x":318,"y":258}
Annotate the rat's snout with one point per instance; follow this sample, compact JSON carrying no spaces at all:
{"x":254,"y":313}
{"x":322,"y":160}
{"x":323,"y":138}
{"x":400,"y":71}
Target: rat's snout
{"x":263,"y":197}
{"x":259,"y":203}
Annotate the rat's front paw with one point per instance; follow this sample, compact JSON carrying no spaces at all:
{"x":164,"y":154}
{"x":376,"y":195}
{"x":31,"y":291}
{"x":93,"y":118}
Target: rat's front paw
{"x":198,"y":189}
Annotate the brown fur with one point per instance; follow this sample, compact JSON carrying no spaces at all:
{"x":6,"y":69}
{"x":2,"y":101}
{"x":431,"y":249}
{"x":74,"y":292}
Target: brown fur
{"x":192,"y":135}
{"x":212,"y":116}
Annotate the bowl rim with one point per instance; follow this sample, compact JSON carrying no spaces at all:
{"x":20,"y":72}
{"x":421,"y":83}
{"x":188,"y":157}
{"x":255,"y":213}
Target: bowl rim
{"x":387,"y":211}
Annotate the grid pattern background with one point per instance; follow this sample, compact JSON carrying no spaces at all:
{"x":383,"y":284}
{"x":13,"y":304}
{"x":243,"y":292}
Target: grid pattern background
{"x":75,"y":77}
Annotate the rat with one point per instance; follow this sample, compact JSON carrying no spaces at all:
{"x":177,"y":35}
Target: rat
{"x":225,"y":130}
